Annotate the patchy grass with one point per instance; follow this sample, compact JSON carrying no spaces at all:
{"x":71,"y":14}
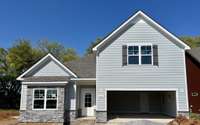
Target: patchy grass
{"x":8,"y":113}
{"x":195,"y":116}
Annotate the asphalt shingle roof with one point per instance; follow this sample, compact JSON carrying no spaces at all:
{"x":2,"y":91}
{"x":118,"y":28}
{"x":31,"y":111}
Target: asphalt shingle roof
{"x":195,"y":53}
{"x":46,"y":79}
{"x":84,"y":67}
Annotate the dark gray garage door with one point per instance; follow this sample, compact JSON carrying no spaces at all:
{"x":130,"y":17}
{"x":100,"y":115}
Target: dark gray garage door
{"x":138,"y":102}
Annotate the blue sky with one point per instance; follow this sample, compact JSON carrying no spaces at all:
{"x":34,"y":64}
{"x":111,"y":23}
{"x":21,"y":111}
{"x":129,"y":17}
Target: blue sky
{"x":75,"y":23}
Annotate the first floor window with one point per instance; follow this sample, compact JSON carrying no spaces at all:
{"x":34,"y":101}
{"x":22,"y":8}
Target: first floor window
{"x":45,"y":99}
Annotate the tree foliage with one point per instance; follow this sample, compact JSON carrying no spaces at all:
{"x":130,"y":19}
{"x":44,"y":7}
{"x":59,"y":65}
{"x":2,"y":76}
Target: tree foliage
{"x":21,"y":56}
{"x":92,"y":44}
{"x":191,"y":41}
{"x":69,"y":54}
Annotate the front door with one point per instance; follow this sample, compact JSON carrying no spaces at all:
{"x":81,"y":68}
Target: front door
{"x":88,"y":101}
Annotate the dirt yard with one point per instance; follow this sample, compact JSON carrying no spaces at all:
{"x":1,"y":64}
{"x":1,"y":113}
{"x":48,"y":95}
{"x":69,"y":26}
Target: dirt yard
{"x":8,"y":117}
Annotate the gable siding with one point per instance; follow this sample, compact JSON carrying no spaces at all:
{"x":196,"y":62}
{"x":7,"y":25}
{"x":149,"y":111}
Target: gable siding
{"x":51,"y":69}
{"x":169,"y":74}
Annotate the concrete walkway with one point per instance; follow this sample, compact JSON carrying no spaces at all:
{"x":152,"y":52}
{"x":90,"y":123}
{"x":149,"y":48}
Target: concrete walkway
{"x":124,"y":121}
{"x":138,"y":121}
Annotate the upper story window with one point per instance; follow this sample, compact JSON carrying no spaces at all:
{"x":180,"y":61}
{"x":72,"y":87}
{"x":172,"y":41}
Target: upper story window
{"x":139,"y":54}
{"x":45,"y":98}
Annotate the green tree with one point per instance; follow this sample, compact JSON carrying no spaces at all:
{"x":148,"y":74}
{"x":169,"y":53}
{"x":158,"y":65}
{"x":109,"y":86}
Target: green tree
{"x":21,"y":56}
{"x":70,"y":54}
{"x":54,"y":48}
{"x":9,"y":87}
{"x":58,"y":50}
{"x":191,"y":41}
{"x":92,"y":44}
{"x":3,"y":62}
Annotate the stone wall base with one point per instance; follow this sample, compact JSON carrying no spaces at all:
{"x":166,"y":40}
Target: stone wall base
{"x":101,"y":116}
{"x":41,"y":116}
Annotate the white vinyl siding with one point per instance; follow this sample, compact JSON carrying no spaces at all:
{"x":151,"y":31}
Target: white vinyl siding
{"x":168,"y":74}
{"x":51,"y":69}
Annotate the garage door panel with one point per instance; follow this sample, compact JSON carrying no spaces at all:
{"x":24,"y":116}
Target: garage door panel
{"x":141,"y":102}
{"x":123,"y":102}
{"x":155,"y":100}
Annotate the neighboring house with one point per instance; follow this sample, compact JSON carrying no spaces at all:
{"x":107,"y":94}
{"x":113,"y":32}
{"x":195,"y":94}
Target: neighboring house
{"x":193,"y":77}
{"x":138,"y":68}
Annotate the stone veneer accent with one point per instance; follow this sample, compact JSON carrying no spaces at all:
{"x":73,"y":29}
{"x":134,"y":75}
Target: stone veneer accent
{"x":101,"y":116}
{"x":56,"y":115}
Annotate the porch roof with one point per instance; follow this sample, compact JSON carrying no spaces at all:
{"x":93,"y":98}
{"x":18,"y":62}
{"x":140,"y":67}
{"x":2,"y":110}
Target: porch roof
{"x":46,"y":79}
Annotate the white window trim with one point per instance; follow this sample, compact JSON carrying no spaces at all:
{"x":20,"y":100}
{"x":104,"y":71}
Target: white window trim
{"x":45,"y":99}
{"x":140,"y":55}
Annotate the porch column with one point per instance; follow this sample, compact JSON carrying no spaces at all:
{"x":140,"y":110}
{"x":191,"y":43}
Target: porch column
{"x":71,"y":111}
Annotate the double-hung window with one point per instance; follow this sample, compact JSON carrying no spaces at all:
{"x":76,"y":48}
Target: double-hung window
{"x":45,"y":98}
{"x":139,"y":54}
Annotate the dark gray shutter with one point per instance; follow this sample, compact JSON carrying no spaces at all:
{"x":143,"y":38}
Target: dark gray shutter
{"x":155,"y":55}
{"x":124,"y":55}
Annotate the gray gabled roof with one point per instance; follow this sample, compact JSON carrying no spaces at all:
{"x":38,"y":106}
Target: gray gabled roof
{"x":84,"y":67}
{"x":195,"y":53}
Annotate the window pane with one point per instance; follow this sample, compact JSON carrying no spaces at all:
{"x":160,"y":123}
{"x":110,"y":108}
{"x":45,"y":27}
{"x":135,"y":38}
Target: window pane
{"x":130,"y":50}
{"x":39,"y":94}
{"x":51,"y":94}
{"x":146,"y":50}
{"x":146,"y":59}
{"x":133,"y":60}
{"x":51,"y":104}
{"x":38,"y":104}
{"x":133,"y":50}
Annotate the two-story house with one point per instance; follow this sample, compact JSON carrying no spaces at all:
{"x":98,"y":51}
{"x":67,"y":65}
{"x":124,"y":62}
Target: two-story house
{"x":138,"y":68}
